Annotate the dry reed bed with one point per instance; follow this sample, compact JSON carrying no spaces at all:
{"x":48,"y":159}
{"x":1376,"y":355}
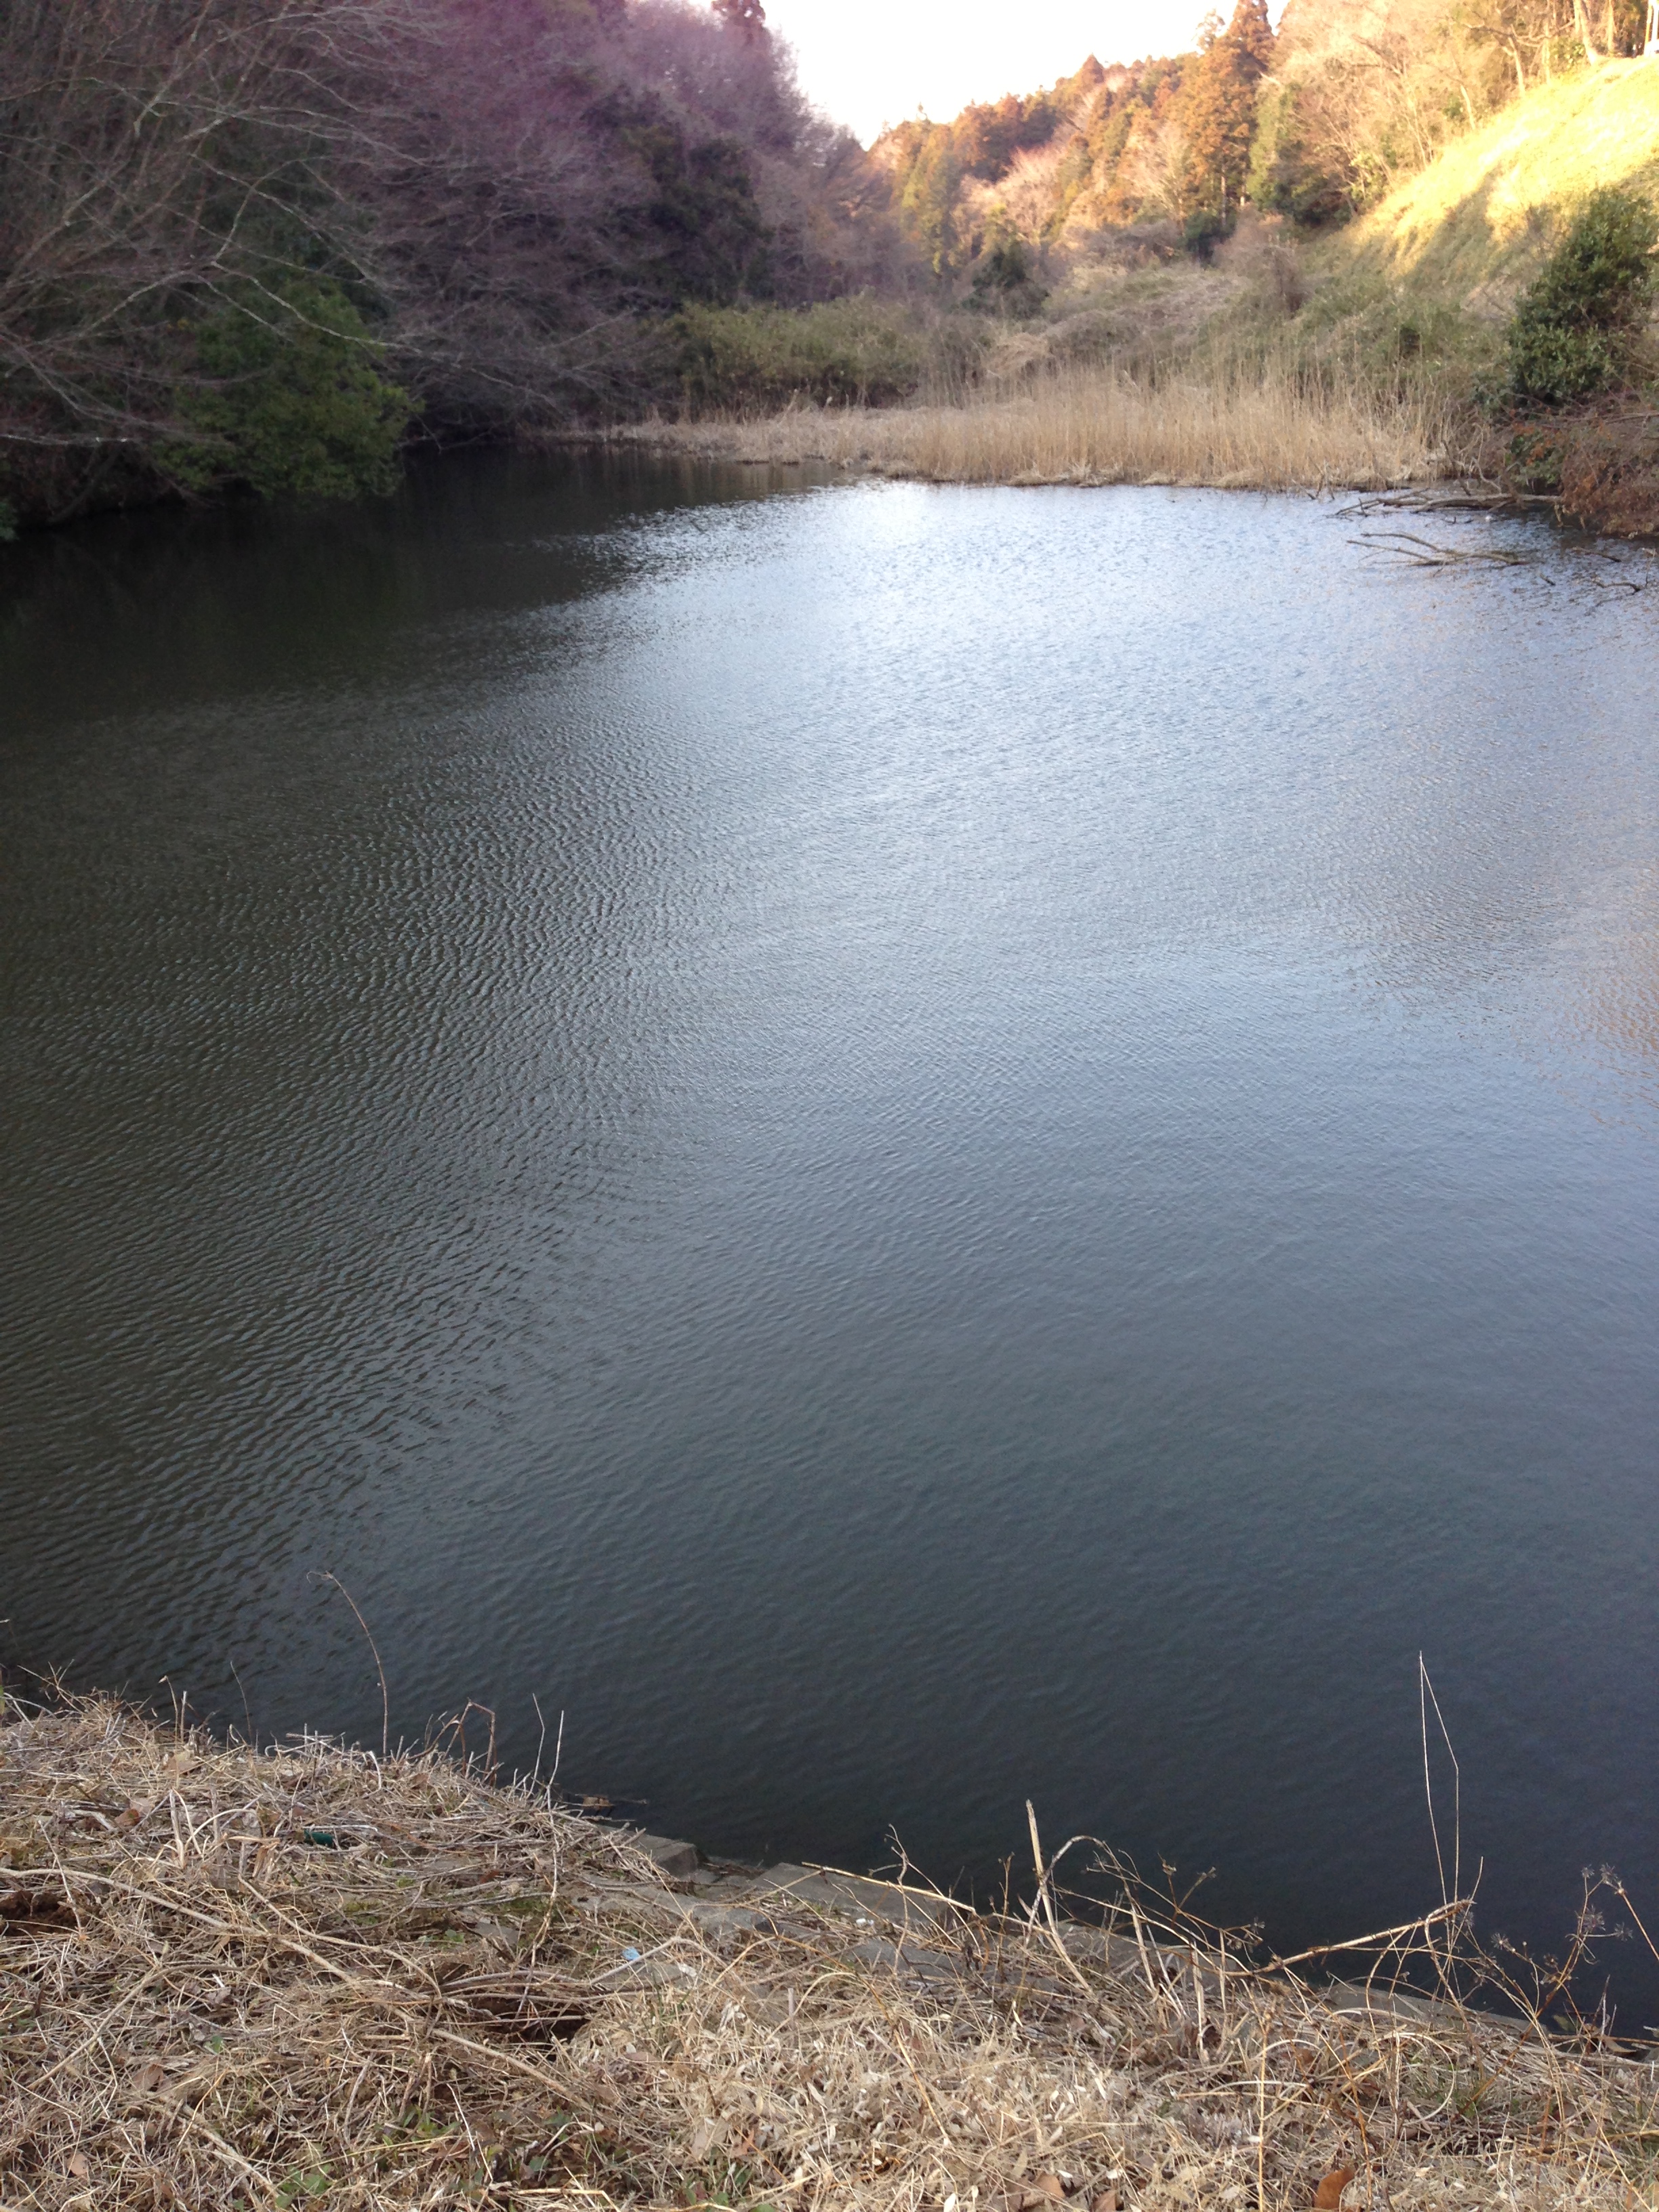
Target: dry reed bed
{"x":238,"y":1979}
{"x":1264,"y":430}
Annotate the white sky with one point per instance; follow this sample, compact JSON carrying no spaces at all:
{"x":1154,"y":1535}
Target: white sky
{"x":871,"y":61}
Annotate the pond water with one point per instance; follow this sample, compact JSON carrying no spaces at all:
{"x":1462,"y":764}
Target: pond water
{"x":902,"y":1148}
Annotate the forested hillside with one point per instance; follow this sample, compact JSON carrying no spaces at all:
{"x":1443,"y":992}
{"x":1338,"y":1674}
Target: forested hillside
{"x":267,"y":244}
{"x":1314,"y":125}
{"x":252,"y":242}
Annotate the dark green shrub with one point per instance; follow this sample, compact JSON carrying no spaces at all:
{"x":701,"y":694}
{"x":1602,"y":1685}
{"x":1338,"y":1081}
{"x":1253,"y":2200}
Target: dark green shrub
{"x":289,"y":399}
{"x":1572,"y":335}
{"x":1203,"y":232}
{"x":856,"y":350}
{"x":1004,"y":280}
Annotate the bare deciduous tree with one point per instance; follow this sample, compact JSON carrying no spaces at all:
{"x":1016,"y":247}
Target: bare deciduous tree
{"x":501,"y":192}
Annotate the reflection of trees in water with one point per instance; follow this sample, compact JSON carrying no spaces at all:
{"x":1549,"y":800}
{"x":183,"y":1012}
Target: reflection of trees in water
{"x":169,"y":602}
{"x":1594,"y":1025}
{"x":1517,"y":870}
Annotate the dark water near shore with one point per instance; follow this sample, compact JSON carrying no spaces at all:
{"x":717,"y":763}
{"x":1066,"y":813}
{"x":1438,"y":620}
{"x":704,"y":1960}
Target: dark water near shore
{"x":905,"y":1148}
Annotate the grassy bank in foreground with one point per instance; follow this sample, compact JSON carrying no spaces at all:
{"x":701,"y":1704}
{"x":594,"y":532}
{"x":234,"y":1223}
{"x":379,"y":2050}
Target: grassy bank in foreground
{"x":1356,"y":394}
{"x":238,"y":1979}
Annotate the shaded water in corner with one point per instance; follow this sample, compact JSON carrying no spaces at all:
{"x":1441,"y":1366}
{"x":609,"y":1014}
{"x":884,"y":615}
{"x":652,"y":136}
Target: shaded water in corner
{"x":904,"y":1148}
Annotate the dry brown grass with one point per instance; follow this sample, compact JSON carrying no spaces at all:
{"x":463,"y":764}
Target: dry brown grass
{"x":249,"y":1980}
{"x":1268,"y":429}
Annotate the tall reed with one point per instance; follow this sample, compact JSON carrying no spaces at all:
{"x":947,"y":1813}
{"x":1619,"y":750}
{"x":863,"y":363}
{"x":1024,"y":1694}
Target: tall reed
{"x":1268,"y":424}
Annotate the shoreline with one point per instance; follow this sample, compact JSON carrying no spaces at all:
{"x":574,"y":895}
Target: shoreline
{"x":1087,"y":431}
{"x":903,"y":444}
{"x":309,"y":1974}
{"x":1238,"y":433}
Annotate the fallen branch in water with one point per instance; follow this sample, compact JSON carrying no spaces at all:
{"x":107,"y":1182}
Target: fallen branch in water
{"x":1423,"y":553}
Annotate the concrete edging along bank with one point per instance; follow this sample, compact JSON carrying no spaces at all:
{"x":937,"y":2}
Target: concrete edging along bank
{"x":921,"y":1932}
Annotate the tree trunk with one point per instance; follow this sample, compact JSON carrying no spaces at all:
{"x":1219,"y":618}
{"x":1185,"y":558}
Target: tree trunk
{"x":1581,"y":25}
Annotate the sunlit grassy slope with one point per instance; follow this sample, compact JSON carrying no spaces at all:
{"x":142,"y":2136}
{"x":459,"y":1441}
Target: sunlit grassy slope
{"x":1474,"y":226}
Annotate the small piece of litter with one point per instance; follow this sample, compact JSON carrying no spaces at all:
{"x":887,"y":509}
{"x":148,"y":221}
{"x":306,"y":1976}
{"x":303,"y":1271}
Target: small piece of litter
{"x":631,"y":1956}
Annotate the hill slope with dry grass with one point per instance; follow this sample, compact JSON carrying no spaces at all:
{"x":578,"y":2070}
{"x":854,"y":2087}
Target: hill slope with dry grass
{"x":1475,"y":226}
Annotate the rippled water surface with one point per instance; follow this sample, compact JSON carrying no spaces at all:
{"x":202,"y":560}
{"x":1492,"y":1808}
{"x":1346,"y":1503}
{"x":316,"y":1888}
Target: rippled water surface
{"x":905,"y":1148}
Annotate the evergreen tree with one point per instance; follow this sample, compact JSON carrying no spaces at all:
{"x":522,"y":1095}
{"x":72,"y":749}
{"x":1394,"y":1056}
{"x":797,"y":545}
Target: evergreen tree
{"x":1218,"y":108}
{"x":929,"y":201}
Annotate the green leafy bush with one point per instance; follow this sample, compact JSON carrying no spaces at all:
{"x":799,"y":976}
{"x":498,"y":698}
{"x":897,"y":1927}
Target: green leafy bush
{"x":859,"y":350}
{"x":1571,"y":335}
{"x":288,"y":398}
{"x":1005,"y":282}
{"x":1202,"y":232}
